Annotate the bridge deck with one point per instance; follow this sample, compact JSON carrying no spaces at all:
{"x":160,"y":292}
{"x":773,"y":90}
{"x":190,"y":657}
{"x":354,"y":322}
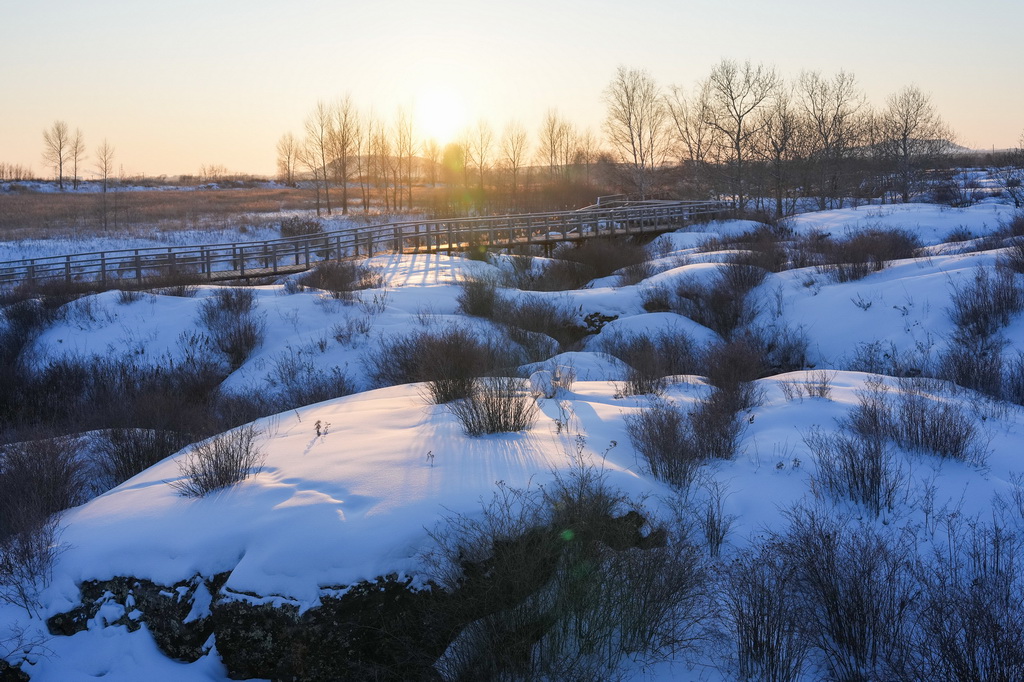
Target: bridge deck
{"x":245,"y":260}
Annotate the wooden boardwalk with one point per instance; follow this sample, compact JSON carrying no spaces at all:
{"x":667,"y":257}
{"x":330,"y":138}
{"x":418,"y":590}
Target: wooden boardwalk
{"x":134,"y":268}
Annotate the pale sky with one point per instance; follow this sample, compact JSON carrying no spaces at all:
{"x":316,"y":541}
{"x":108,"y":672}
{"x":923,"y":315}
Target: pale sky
{"x":179,"y":84}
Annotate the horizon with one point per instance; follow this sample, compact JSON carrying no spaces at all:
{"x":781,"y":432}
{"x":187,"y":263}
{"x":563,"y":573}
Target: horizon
{"x":172,"y":93}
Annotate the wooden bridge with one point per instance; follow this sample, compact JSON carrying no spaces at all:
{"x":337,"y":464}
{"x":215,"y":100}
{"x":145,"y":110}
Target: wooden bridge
{"x":134,"y":268}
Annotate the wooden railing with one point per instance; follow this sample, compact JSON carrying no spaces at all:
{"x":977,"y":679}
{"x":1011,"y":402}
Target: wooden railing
{"x":243,"y":260}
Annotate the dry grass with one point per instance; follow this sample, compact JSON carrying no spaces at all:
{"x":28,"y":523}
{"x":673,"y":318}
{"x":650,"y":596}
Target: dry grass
{"x":52,"y":215}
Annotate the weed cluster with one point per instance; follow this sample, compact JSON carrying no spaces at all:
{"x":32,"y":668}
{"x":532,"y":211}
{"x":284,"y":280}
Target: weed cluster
{"x":341,"y":279}
{"x":724,"y":305}
{"x":219,"y":462}
{"x":652,"y":358}
{"x":448,"y":359}
{"x":494,"y":405}
{"x":230,"y":318}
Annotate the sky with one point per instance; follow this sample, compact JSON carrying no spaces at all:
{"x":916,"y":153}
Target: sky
{"x":176,"y":86}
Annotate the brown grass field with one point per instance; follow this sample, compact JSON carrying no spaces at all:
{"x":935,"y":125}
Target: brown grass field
{"x":43,"y":215}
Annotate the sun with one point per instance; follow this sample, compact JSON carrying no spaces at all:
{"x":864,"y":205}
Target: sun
{"x":440,"y":113}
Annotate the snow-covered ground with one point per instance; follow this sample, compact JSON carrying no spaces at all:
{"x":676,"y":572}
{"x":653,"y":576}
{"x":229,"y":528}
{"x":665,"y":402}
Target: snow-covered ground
{"x":351,"y":487}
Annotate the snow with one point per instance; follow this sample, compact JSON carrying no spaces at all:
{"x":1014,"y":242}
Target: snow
{"x":358,"y":500}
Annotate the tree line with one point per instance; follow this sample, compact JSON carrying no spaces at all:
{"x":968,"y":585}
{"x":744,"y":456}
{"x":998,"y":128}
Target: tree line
{"x":356,"y":160}
{"x":743,"y":133}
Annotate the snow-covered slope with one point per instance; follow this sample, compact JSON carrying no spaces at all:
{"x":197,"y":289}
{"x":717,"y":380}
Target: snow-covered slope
{"x":351,"y":488}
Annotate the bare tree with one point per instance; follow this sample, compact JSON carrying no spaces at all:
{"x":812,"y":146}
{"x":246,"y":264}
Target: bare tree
{"x":481,"y":142}
{"x":104,"y":168}
{"x":317,"y":149}
{"x":364,"y":160}
{"x":637,"y":123}
{"x":405,"y":148}
{"x":105,"y":162}
{"x":1010,"y":174}
{"x":287,"y":153}
{"x":779,"y":143}
{"x":835,"y":110}
{"x":556,"y":144}
{"x":57,"y":149}
{"x":513,"y":153}
{"x":344,"y":137}
{"x":77,"y":153}
{"x":308,"y":158}
{"x":912,"y":134}
{"x":696,"y":139}
{"x":432,"y":160}
{"x":737,"y":93}
{"x":588,"y":148}
{"x":380,"y":160}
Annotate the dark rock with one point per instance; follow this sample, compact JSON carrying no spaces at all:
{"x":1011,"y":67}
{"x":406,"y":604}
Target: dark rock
{"x":9,"y":673}
{"x":382,"y":630}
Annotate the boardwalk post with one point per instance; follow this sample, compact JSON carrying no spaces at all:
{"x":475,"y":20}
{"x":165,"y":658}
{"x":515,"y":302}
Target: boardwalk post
{"x":241,"y":259}
{"x":138,"y":267}
{"x":273,"y":255}
{"x":67,"y":269}
{"x":103,"y":269}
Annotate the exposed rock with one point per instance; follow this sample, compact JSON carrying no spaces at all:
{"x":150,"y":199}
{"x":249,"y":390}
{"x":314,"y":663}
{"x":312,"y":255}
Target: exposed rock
{"x":384,"y":629}
{"x":9,"y":673}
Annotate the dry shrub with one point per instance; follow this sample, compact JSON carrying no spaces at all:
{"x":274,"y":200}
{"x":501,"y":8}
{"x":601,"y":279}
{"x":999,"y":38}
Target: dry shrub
{"x":731,"y":363}
{"x":38,"y":480}
{"x":855,"y":592}
{"x":858,"y":254}
{"x":219,"y":462}
{"x":230,"y":318}
{"x":853,"y":467}
{"x":448,"y":359}
{"x":763,"y":614}
{"x":723,"y":305}
{"x":1012,"y":381}
{"x":970,"y":616}
{"x":987,"y":303}
{"x":674,"y":442}
{"x":934,"y":425}
{"x":764,"y":247}
{"x":125,"y":452}
{"x":296,"y":226}
{"x":1012,"y":257}
{"x":657,"y":299}
{"x":296,"y":380}
{"x":602,"y":257}
{"x":560,"y":583}
{"x":495,"y":405}
{"x":663,"y":435}
{"x":634,"y":274}
{"x":652,"y":358}
{"x":477,"y":296}
{"x":543,"y":317}
{"x":341,"y":278}
{"x":974,"y":362}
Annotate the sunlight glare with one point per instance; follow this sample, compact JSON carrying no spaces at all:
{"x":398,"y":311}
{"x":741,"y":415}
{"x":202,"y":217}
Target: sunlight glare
{"x":440,"y":114}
